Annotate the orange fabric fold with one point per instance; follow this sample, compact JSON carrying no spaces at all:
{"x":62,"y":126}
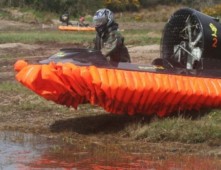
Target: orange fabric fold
{"x":120,"y":91}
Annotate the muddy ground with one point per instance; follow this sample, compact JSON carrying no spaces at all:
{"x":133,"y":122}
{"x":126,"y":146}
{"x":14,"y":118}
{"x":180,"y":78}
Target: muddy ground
{"x":98,"y":128}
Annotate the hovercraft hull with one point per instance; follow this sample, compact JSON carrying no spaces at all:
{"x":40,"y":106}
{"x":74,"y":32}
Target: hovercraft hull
{"x":121,"y":91}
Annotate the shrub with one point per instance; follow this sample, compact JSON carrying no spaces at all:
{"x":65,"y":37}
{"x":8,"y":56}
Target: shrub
{"x":213,"y":11}
{"x":122,"y":5}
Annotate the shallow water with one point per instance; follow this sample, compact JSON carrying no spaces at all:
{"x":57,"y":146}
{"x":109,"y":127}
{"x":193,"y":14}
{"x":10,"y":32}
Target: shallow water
{"x":27,"y":151}
{"x":17,"y":149}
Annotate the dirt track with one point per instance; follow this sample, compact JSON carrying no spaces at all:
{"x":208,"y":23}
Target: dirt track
{"x":138,"y":53}
{"x":7,"y":25}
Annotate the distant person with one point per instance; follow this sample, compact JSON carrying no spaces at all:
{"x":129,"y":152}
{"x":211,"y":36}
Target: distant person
{"x":82,"y":22}
{"x":64,"y":18}
{"x":108,"y":39}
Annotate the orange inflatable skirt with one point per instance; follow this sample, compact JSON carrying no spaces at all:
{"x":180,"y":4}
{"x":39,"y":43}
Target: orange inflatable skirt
{"x":75,"y":28}
{"x":119,"y":91}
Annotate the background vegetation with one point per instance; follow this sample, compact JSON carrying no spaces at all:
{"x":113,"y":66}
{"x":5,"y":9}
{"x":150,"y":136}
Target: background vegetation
{"x":83,"y":7}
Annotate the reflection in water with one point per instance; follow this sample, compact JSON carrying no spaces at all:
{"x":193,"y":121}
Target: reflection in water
{"x":18,"y":149}
{"x":131,"y":162}
{"x":26,"y":151}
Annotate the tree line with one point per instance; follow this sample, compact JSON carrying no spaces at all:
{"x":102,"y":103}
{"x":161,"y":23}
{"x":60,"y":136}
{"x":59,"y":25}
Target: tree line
{"x":82,"y":7}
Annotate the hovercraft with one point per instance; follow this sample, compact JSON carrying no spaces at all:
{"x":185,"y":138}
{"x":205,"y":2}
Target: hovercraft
{"x":75,"y":28}
{"x":186,"y":76}
{"x":68,"y":26}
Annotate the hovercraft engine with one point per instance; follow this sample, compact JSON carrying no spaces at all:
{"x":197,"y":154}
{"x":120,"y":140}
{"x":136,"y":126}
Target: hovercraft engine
{"x":192,"y":40}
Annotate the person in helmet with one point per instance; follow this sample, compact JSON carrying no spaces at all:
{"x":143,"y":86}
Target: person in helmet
{"x":108,"y":39}
{"x":64,"y":18}
{"x":82,"y":22}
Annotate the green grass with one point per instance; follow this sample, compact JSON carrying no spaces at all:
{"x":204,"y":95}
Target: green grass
{"x":141,"y":37}
{"x":131,"y":37}
{"x":36,"y":15}
{"x":27,"y":15}
{"x":4,"y":14}
{"x":11,"y":87}
{"x":23,"y":99}
{"x":45,"y":36}
{"x":180,"y":129}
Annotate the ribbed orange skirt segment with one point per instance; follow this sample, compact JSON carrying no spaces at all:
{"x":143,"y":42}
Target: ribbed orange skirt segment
{"x":75,"y":28}
{"x":120,"y":91}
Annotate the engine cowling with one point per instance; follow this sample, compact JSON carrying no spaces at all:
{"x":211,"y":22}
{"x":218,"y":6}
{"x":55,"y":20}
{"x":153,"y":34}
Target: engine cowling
{"x":191,"y":40}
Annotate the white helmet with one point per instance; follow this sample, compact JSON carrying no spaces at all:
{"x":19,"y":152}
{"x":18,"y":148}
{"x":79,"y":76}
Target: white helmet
{"x":65,"y":18}
{"x":102,"y":19}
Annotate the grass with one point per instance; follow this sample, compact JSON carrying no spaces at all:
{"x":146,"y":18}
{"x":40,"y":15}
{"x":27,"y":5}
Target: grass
{"x":141,"y":37}
{"x":132,"y":37}
{"x":27,"y":15}
{"x":45,"y":36}
{"x":24,"y":99}
{"x":181,"y":129}
{"x":159,"y":13}
{"x":11,"y":87}
{"x":4,"y":14}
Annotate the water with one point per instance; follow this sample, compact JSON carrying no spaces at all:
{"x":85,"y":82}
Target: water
{"x":17,"y":150}
{"x":27,"y":151}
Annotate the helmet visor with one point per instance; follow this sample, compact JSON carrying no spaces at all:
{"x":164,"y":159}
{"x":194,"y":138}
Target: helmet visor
{"x":99,"y":21}
{"x":64,"y":17}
